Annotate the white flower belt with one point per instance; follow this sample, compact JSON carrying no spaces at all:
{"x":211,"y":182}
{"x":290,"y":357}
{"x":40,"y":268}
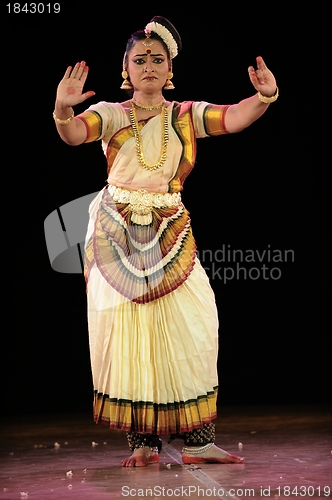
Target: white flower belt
{"x":142,"y":201}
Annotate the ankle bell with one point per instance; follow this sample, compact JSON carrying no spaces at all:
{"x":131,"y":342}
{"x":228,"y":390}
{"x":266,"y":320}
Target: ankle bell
{"x":191,"y":450}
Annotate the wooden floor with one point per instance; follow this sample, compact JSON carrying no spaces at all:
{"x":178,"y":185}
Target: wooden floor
{"x":288,"y":452}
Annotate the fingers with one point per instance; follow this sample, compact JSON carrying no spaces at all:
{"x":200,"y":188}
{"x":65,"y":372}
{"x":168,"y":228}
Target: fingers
{"x":251,"y":71}
{"x":88,"y":94}
{"x":260,"y":63}
{"x":79,"y":71}
{"x":258,"y":75}
{"x":255,"y":76}
{"x":67,"y":73}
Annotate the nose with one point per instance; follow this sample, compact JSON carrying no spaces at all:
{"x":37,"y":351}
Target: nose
{"x":148,"y":67}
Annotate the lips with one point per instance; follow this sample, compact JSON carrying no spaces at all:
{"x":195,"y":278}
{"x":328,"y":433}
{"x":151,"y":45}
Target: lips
{"x":150,"y":78}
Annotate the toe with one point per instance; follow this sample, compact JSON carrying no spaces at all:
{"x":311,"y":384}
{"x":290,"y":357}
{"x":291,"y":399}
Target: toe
{"x":129,"y":462}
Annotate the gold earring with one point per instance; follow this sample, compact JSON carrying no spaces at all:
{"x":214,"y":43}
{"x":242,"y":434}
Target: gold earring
{"x":169,"y":85}
{"x":126,"y":85}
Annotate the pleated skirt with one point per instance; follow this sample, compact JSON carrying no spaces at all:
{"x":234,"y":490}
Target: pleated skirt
{"x":153,"y":328}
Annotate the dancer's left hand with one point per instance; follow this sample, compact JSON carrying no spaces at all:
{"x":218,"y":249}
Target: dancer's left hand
{"x":262,"y":78}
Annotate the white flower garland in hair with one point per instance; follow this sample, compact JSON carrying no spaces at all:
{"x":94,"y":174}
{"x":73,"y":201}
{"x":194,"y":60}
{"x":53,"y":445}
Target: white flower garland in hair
{"x":165,"y":35}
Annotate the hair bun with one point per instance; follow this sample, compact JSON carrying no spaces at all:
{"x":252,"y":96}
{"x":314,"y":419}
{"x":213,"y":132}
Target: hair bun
{"x":169,"y":26}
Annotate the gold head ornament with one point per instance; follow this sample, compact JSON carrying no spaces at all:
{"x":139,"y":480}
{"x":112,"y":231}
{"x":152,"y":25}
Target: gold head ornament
{"x":147,"y":42}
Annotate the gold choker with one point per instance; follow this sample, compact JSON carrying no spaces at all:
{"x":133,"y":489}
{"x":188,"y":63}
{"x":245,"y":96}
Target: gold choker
{"x":147,"y":108}
{"x":138,"y":139}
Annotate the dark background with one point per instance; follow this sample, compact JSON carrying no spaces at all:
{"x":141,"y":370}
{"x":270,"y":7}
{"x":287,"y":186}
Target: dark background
{"x":265,"y":186}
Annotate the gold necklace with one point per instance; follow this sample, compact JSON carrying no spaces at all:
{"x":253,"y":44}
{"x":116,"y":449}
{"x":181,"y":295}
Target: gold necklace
{"x":138,"y":139}
{"x":147,"y":108}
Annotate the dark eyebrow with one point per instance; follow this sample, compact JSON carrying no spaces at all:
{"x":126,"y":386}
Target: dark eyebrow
{"x":152,"y":55}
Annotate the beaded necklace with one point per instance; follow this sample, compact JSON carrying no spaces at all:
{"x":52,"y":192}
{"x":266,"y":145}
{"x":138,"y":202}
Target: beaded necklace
{"x":138,"y":139}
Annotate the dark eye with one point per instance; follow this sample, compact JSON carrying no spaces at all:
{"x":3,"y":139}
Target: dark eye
{"x":139,"y":61}
{"x":158,"y":60}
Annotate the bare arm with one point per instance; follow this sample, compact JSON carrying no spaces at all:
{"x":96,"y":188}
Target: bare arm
{"x":243,"y":114}
{"x":69,"y":93}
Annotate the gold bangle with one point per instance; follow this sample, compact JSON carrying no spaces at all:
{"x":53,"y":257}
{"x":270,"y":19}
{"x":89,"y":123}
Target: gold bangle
{"x":266,"y":99}
{"x":63,"y":122}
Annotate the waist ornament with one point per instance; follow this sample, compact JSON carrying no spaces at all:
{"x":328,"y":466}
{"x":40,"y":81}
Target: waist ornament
{"x":142,"y":202}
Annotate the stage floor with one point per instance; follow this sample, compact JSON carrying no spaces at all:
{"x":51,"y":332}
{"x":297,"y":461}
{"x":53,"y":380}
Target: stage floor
{"x":288,"y":453}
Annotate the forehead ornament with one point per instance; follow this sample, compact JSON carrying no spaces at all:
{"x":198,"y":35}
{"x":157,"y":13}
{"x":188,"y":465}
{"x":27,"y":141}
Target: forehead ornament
{"x":147,"y":42}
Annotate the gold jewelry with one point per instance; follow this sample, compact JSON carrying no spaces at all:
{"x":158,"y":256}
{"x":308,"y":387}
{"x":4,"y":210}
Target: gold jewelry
{"x":147,"y":108}
{"x":169,"y":85}
{"x":126,"y":85}
{"x":196,"y":451}
{"x":63,"y":122}
{"x":138,"y":139}
{"x":147,"y":42}
{"x":266,"y":99}
{"x":142,"y":202}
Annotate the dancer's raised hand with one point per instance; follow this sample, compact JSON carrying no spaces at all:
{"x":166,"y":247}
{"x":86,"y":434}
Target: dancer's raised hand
{"x":70,"y":89}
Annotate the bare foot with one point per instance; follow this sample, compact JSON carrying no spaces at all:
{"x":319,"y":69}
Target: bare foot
{"x":141,"y":457}
{"x":213,"y":455}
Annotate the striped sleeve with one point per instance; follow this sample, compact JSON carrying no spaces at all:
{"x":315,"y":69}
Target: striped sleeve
{"x":93,"y":123}
{"x":209,"y":119}
{"x":100,"y":121}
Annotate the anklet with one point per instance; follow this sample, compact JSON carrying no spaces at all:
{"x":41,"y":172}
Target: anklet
{"x":197,"y":451}
{"x":151,"y":448}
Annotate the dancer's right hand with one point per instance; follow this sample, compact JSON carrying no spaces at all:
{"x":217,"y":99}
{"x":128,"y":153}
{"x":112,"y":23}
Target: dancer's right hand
{"x":70,"y":89}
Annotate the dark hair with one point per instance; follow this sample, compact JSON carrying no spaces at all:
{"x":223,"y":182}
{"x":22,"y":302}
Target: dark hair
{"x":140,"y":35}
{"x":165,"y":22}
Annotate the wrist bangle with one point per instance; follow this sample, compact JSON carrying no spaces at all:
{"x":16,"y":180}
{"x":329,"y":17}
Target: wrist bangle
{"x":267,"y":99}
{"x":63,"y":122}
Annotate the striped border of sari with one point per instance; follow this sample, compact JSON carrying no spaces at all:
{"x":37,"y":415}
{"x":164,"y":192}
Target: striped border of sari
{"x":153,"y":418}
